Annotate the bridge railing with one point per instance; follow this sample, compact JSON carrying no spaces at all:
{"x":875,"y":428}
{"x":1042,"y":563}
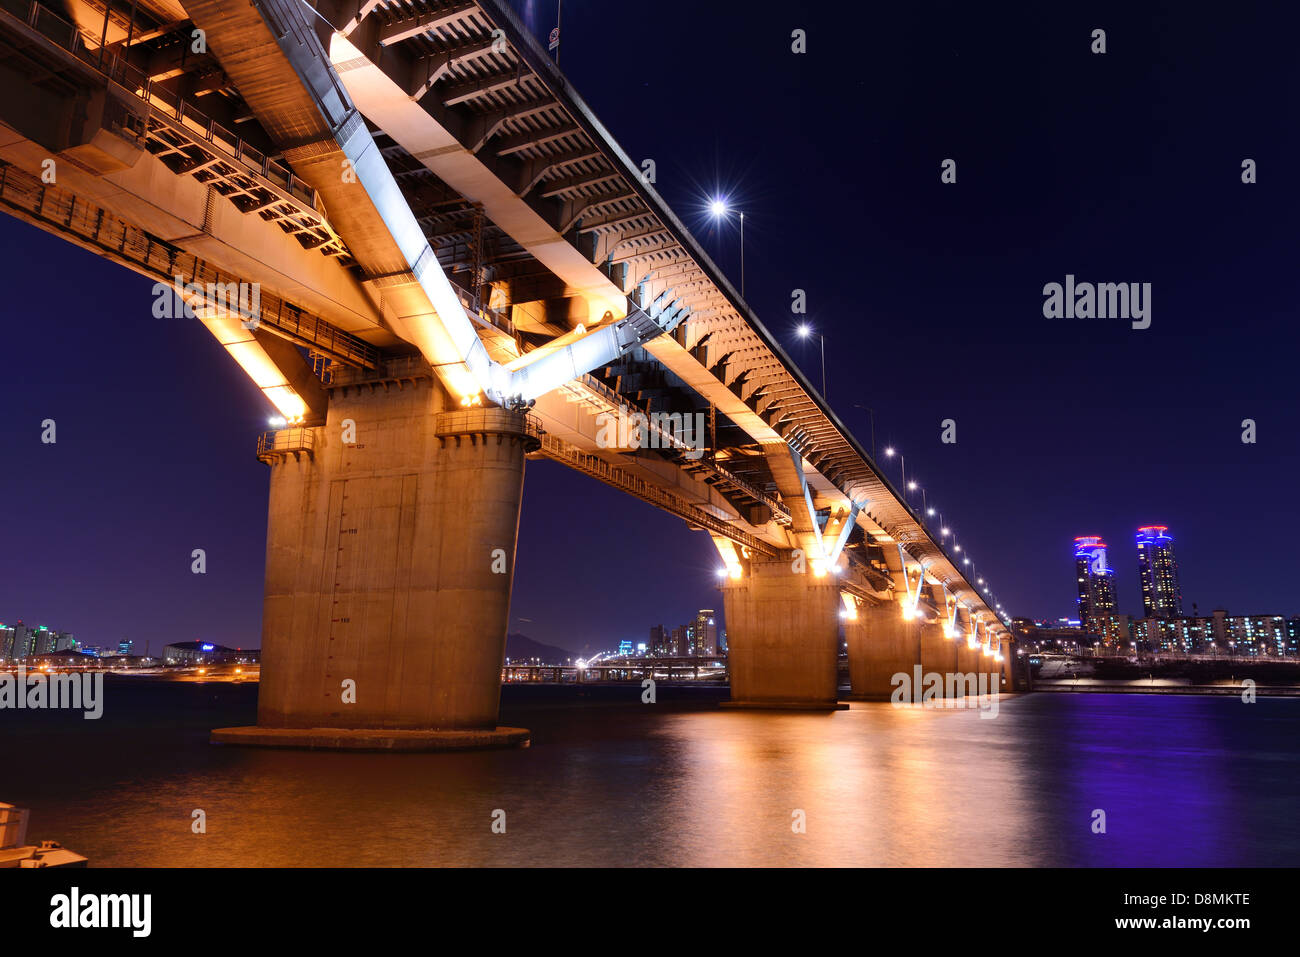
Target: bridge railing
{"x":86,"y":47}
{"x":285,"y":442}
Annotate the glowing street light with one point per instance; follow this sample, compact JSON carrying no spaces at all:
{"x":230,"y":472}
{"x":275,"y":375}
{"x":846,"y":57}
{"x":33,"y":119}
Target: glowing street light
{"x":718,"y":208}
{"x":902,"y":462}
{"x":805,"y":331}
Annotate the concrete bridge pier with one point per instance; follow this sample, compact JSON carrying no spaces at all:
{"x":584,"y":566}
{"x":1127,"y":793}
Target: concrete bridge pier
{"x":882,"y":643}
{"x":938,"y":651}
{"x":389,"y":564}
{"x":969,"y":660}
{"x":783,"y":637}
{"x":1009,"y":665}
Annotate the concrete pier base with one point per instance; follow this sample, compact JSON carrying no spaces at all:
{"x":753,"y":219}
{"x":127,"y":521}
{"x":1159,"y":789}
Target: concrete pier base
{"x":372,"y":739}
{"x":390,"y":561}
{"x":881,"y":644}
{"x":1009,"y":666}
{"x":938,"y":651}
{"x":968,"y":658}
{"x":783,"y":638}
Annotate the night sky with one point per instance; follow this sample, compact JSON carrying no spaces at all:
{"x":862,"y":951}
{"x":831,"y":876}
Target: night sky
{"x":1122,"y":167}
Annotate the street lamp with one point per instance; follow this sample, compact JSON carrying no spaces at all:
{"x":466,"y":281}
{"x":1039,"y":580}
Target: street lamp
{"x":889,"y":454}
{"x":805,"y":331}
{"x":718,"y":208}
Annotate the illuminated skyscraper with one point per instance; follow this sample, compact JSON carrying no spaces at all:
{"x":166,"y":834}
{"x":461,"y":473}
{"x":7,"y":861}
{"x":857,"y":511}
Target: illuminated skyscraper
{"x":705,"y":633}
{"x":1096,"y":581}
{"x":1158,"y":573}
{"x":658,"y":640}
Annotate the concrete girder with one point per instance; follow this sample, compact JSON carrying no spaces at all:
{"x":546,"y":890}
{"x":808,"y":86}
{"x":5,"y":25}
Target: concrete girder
{"x":416,"y":129}
{"x":403,"y":29}
{"x":297,"y":89}
{"x":269,"y":361}
{"x":437,"y":65}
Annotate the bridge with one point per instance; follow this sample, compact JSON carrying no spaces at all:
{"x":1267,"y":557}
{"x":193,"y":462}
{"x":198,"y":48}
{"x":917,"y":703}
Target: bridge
{"x":404,"y":224}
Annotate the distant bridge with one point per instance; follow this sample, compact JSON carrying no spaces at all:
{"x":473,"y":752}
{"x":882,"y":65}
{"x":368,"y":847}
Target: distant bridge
{"x":620,"y":669}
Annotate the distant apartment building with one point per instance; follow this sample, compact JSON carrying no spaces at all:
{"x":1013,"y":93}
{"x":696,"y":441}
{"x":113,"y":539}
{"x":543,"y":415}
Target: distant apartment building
{"x":1175,"y":635}
{"x":1158,"y":573}
{"x":1252,"y":636}
{"x":1256,"y":636}
{"x":704,"y":634}
{"x":21,"y":641}
{"x":697,"y":638}
{"x":1095,"y":579}
{"x":15,"y":640}
{"x":680,"y":642}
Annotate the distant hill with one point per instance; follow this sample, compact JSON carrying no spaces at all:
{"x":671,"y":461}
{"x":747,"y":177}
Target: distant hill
{"x":520,"y":647}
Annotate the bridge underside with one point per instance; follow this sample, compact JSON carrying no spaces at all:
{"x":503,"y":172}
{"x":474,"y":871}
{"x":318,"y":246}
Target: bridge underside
{"x":427,"y":210}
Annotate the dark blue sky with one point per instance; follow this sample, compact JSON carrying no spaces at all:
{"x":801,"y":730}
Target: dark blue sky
{"x":1123,"y":167}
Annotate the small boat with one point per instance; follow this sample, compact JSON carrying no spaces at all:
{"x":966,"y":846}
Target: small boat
{"x":16,"y":852}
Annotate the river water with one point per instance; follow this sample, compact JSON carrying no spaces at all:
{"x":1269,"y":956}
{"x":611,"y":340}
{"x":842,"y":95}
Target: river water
{"x":1182,"y":780}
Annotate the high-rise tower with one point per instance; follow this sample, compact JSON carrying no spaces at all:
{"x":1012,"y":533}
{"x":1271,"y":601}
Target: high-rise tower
{"x":1096,"y":580}
{"x":1158,"y":573}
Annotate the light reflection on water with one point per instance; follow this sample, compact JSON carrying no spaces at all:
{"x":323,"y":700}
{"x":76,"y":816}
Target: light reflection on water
{"x":1183,"y":781}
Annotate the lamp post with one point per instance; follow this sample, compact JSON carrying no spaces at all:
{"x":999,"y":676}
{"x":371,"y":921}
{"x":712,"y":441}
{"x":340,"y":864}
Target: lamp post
{"x":889,"y":454}
{"x":805,"y":331}
{"x":718,"y":208}
{"x":742,"y":255}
